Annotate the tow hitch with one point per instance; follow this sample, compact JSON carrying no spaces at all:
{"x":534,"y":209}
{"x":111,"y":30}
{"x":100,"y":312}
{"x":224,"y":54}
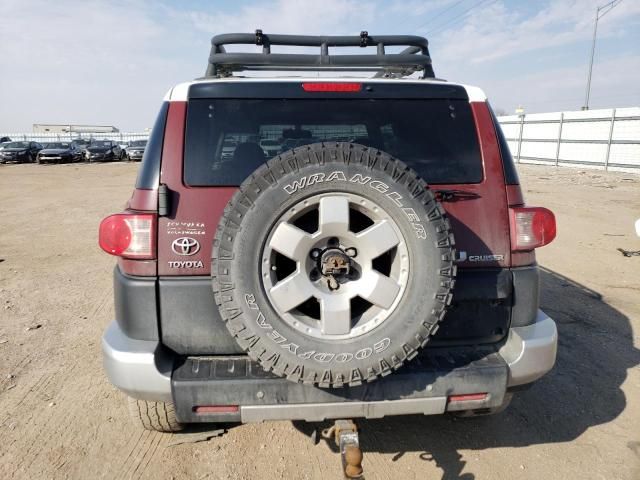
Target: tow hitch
{"x":345,"y":434}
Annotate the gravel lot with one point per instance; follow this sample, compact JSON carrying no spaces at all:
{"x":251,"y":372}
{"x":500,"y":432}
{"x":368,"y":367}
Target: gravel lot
{"x":59,"y":417}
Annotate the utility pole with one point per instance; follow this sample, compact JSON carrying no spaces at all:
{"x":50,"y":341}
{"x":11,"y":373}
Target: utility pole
{"x":600,"y":12}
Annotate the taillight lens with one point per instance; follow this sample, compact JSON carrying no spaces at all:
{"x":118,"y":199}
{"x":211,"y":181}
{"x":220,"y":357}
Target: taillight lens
{"x":216,"y":409}
{"x":531,"y":227}
{"x":332,"y":87}
{"x":467,"y":397}
{"x":129,"y":235}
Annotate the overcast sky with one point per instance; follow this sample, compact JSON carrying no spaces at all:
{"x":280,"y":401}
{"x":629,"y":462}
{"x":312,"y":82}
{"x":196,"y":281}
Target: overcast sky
{"x":111,"y":62}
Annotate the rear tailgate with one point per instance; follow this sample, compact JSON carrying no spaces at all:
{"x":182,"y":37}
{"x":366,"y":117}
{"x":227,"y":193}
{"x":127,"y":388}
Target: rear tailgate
{"x":463,"y":163}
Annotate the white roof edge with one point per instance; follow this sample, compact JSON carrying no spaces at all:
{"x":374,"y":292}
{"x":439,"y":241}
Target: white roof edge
{"x":167,"y":96}
{"x":180,"y":92}
{"x":475,"y":93}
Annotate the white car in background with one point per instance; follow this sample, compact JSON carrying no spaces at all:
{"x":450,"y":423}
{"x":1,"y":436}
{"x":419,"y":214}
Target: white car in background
{"x":271,"y":147}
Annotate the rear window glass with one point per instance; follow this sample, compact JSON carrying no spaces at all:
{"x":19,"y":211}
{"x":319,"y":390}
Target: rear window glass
{"x":510,"y":172}
{"x":149,"y":173}
{"x":226,"y":139}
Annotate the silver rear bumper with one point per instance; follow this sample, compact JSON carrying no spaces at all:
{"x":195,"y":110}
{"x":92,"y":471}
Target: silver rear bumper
{"x":142,"y":369}
{"x":530,"y":351}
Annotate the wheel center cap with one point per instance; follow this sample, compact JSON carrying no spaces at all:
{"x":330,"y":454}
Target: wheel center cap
{"x":335,"y":262}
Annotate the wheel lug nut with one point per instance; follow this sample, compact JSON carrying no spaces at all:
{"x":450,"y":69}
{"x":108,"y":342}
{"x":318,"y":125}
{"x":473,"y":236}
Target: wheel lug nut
{"x":315,"y":253}
{"x":314,"y":274}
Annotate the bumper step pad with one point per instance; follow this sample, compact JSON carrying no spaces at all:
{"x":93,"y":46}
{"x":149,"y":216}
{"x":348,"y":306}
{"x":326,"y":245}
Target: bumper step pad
{"x":422,"y":386}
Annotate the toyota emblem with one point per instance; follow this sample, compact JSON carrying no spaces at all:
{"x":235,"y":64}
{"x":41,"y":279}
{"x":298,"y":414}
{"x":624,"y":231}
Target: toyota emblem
{"x":185,"y":246}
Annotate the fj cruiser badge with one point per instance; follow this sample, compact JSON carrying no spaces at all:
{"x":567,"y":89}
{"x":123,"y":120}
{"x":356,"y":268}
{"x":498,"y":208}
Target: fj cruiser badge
{"x":486,"y":258}
{"x":185,"y":246}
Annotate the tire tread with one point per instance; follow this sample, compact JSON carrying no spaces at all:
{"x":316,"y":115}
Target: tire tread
{"x":268,"y":175}
{"x":154,"y":416}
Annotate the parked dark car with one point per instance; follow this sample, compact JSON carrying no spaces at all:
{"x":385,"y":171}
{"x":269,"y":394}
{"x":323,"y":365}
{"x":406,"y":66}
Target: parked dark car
{"x":103,"y":151}
{"x":4,"y":139}
{"x":59,"y":152}
{"x":290,"y":143}
{"x":82,"y":143}
{"x":135,"y":150}
{"x":20,"y":152}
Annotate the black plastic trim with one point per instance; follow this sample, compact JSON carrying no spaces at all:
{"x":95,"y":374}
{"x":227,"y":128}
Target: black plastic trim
{"x":189,"y":318}
{"x":135,"y":305}
{"x":149,"y":171}
{"x":526,"y":295}
{"x":480,"y":313}
{"x":486,"y":303}
{"x":239,"y":381}
{"x":483,"y":284}
{"x":508,"y":165}
{"x":266,"y":89}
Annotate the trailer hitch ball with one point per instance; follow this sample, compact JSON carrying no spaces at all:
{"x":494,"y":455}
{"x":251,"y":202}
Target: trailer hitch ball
{"x":353,"y":461}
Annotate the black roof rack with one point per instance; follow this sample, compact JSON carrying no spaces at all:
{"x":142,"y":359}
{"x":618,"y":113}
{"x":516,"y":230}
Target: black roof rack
{"x":412,"y":59}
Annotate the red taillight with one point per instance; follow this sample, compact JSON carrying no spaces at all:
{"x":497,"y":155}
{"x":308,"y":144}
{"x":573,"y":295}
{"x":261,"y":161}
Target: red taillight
{"x":331,"y":87}
{"x":216,"y":409}
{"x":129,"y":235}
{"x":531,"y":227}
{"x":467,"y":397}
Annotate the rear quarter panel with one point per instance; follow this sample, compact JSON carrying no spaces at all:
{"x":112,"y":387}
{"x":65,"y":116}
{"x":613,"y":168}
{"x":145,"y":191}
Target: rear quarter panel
{"x":194,"y":213}
{"x":480,"y":222}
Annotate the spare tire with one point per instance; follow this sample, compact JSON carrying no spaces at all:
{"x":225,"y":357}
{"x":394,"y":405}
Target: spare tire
{"x":333,"y":264}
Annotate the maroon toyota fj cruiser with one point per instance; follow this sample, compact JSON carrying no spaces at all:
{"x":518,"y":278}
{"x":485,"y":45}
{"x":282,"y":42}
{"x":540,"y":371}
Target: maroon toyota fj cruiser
{"x":318,"y":279}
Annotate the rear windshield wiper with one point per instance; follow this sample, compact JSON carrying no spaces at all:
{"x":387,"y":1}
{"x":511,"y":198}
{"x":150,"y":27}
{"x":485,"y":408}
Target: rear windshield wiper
{"x":455,"y":195}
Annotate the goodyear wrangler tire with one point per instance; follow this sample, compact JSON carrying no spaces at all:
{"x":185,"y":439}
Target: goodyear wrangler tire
{"x":333,"y":264}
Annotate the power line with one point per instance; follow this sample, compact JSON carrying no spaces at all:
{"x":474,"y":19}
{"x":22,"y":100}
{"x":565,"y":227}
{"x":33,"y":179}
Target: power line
{"x":439,"y":14}
{"x":457,"y":18}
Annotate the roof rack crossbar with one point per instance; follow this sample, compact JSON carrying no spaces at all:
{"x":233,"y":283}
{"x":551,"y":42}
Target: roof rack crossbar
{"x":413,"y":58}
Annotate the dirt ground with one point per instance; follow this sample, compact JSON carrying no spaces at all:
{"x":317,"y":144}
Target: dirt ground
{"x":60,"y":418}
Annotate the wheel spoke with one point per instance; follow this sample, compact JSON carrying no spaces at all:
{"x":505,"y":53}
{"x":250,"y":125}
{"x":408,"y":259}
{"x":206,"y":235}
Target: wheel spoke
{"x":291,"y":241}
{"x":291,"y":292}
{"x":377,"y":239}
{"x":378,"y":289}
{"x":334,"y":215}
{"x":335,"y":314}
